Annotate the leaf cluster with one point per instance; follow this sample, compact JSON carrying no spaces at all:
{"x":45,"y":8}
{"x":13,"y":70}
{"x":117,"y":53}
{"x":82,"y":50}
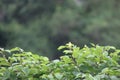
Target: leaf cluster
{"x":87,"y":63}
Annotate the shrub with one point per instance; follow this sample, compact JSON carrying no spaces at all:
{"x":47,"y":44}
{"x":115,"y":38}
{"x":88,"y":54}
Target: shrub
{"x":87,"y":63}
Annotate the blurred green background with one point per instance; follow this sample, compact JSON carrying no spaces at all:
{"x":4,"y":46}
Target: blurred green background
{"x":40,"y":26}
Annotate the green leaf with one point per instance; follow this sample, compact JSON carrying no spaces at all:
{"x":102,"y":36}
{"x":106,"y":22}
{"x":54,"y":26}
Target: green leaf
{"x":58,"y":76}
{"x":26,"y":70}
{"x":67,"y":51}
{"x":4,"y":62}
{"x":89,"y":77}
{"x":76,"y":52}
{"x":16,"y":50}
{"x":61,"y":47}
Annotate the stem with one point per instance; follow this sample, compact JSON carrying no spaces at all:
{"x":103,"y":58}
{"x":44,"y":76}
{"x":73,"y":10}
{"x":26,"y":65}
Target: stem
{"x":75,"y":62}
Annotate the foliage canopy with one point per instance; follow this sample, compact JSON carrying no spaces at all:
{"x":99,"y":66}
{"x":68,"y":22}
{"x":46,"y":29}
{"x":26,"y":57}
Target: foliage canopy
{"x":87,"y":63}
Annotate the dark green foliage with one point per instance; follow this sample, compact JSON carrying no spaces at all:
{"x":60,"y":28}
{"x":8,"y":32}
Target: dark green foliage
{"x":87,"y":63}
{"x":43,"y":25}
{"x":25,"y":10}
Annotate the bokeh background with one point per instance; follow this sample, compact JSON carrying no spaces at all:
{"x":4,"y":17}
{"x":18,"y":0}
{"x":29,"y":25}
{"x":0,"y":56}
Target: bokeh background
{"x":40,"y":26}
